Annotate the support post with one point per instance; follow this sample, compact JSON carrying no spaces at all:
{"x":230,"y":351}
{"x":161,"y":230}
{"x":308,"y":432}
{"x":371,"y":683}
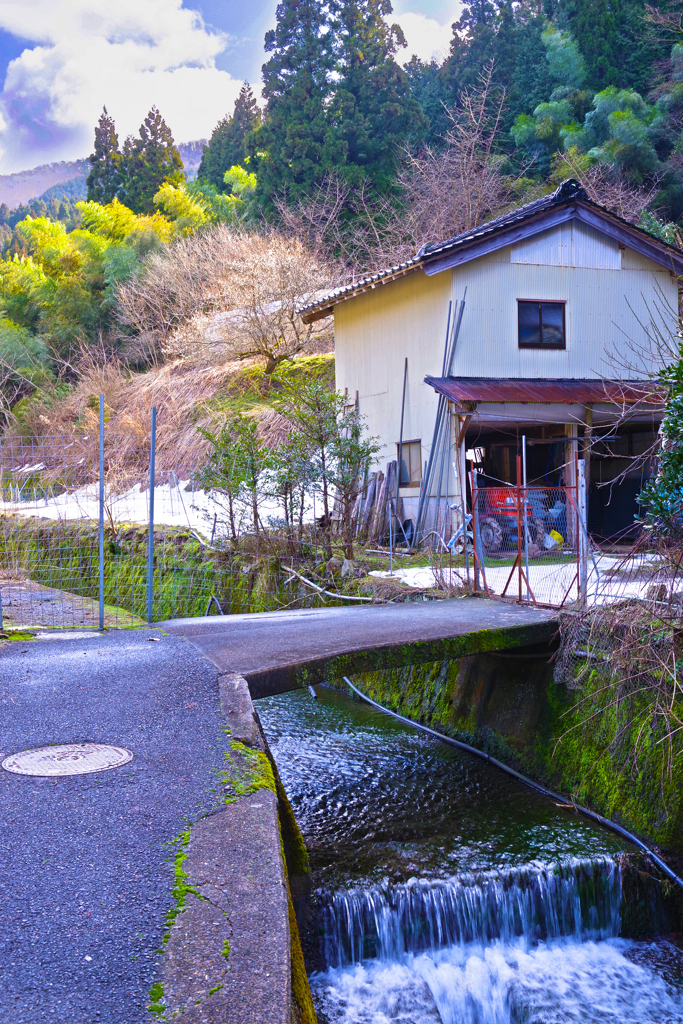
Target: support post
{"x":101,"y":529}
{"x":462,"y":473}
{"x":587,"y":445}
{"x":478,"y":547}
{"x":150,"y":542}
{"x":391,"y":538}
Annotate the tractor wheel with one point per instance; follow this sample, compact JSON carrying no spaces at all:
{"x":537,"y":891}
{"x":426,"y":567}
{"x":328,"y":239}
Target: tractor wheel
{"x":491,"y":535}
{"x":537,"y":531}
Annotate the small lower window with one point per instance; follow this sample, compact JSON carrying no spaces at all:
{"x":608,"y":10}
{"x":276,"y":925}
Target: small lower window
{"x":411,"y":463}
{"x":541,"y":324}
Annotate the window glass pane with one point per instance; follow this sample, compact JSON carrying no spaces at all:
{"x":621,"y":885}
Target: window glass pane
{"x":415,"y":463}
{"x":411,"y":467}
{"x":553,"y":323}
{"x":529,"y":326}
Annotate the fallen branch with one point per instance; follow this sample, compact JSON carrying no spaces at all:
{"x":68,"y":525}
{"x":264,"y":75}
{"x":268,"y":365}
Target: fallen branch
{"x":327,"y":593}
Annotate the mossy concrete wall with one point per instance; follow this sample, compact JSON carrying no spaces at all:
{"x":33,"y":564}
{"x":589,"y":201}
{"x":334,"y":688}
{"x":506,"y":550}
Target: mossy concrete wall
{"x":508,"y":704}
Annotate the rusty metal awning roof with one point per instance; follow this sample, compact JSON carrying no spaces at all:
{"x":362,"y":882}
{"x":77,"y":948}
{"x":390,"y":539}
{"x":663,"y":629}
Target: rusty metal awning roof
{"x":558,"y":391}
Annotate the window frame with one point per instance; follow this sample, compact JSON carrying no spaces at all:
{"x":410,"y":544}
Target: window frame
{"x":403,"y":445}
{"x":541,"y":347}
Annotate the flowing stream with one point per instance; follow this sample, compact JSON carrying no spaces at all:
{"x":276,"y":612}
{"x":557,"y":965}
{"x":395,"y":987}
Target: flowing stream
{"x":446,"y":891}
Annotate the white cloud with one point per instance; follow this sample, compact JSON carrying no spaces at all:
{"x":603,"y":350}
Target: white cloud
{"x":127,"y":54}
{"x":426,"y":37}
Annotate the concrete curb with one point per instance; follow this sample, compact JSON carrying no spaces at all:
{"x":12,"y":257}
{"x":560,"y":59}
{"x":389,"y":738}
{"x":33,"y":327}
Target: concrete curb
{"x":234,"y":863}
{"x":228,"y":955}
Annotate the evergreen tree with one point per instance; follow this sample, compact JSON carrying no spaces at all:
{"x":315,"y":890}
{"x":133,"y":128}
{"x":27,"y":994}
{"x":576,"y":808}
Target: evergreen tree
{"x":374,"y":109}
{"x":150,"y":160}
{"x":532,"y":83}
{"x":104,"y":180}
{"x":619,"y":46}
{"x":226,"y":146}
{"x":296,"y":144}
{"x":427,"y":87}
{"x":473,"y":45}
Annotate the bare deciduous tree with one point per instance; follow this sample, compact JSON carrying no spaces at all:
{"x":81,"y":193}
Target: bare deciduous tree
{"x":257,"y":280}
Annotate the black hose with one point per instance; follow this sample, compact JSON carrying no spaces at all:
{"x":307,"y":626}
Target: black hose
{"x":522,"y":778}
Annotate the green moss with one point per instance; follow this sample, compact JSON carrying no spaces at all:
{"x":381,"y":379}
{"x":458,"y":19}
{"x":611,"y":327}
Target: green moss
{"x":303,"y":1011}
{"x":216,"y":988}
{"x":226,"y":949}
{"x":21,"y":635}
{"x":156,"y":999}
{"x":181,"y":889}
{"x":247,"y":772}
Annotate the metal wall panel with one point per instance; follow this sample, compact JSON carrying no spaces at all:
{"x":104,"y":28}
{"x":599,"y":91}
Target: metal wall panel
{"x":570,"y":245}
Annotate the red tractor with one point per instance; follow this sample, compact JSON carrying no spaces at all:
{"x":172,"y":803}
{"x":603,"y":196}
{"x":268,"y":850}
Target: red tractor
{"x":497,"y":509}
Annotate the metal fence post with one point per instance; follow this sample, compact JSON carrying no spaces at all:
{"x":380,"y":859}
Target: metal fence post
{"x":101,"y":530}
{"x":150,"y":543}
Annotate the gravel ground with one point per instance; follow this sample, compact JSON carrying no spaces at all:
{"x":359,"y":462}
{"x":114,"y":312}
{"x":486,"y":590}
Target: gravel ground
{"x":27,"y":603}
{"x":85,"y":875}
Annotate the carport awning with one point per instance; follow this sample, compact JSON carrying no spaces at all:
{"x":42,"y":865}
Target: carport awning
{"x":524,"y":390}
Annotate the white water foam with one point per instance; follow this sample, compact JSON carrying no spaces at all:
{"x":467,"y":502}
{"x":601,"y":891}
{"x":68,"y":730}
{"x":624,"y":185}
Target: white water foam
{"x":563,"y":982}
{"x":533,"y":945}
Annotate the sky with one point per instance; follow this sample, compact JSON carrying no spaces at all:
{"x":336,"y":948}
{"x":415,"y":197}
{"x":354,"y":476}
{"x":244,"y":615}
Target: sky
{"x":61,"y":61}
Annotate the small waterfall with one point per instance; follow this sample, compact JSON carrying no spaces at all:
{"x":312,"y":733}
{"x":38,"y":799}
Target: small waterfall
{"x":579,"y":899}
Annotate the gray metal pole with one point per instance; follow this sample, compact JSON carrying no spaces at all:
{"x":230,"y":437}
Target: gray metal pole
{"x":150,"y":543}
{"x":582,"y":539}
{"x":101,"y":531}
{"x":479,"y":547}
{"x":391,"y":545}
{"x":400,"y":440}
{"x":524,"y":516}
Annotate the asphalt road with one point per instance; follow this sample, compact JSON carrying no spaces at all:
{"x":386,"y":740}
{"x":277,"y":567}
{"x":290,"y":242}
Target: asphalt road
{"x":84,"y":870}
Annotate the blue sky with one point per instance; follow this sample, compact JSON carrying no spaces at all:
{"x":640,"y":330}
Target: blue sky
{"x":62,"y":60}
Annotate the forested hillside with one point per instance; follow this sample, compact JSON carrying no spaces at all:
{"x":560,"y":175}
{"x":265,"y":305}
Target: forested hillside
{"x":352,"y":163}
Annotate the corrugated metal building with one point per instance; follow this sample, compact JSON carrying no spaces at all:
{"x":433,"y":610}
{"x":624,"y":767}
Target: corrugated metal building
{"x":554,"y":343}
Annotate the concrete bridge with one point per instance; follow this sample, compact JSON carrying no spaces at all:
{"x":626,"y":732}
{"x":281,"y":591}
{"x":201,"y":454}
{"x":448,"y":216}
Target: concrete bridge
{"x":279,"y":651}
{"x":85,"y":877}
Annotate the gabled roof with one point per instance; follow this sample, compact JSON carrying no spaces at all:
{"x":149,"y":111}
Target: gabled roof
{"x":569,"y":201}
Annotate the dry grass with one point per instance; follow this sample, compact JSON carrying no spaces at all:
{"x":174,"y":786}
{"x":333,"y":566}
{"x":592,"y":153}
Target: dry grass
{"x":189,"y":396}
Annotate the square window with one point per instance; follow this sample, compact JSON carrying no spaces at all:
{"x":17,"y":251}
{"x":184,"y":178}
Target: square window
{"x":541,"y":324}
{"x":411,"y":463}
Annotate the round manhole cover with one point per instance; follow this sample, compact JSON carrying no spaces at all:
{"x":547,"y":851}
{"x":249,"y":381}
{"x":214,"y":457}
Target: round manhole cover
{"x":67,"y":759}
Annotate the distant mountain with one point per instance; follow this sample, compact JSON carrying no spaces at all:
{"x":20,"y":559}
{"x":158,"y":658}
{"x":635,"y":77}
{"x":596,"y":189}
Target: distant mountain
{"x":23,"y":186}
{"x":191,"y":154}
{"x":72,"y":190}
{"x":66,"y":180}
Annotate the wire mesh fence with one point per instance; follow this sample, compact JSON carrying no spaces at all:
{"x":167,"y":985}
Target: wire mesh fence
{"x":49,"y":533}
{"x":76,"y":548}
{"x":62,"y":500}
{"x":529,"y":544}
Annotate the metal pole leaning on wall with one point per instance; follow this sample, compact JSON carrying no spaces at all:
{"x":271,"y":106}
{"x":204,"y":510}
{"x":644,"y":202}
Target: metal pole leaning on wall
{"x":582,"y":539}
{"x":150,"y":543}
{"x":101,"y":530}
{"x":525,"y":515}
